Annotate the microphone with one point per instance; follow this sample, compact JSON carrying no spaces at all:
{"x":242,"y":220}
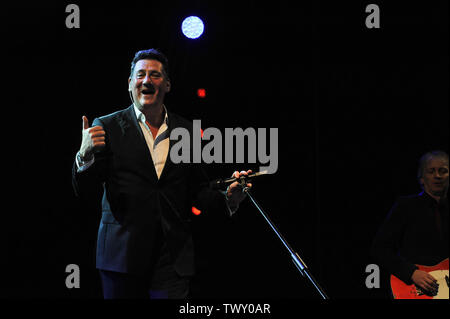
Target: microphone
{"x":222,"y":183}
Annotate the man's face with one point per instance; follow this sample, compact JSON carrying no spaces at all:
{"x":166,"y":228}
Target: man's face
{"x":147,"y":84}
{"x":435,"y":177}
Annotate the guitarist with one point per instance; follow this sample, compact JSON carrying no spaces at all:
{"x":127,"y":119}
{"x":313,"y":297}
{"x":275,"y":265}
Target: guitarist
{"x":416,"y":229}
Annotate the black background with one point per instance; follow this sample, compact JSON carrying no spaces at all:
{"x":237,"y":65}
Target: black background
{"x":355,"y":108}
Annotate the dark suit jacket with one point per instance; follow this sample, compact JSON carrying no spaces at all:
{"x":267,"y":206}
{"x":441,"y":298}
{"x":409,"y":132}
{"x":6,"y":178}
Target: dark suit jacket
{"x":135,"y":202}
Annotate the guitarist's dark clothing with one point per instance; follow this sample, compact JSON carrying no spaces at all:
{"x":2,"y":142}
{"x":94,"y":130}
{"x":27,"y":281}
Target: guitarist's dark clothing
{"x":414,"y":232}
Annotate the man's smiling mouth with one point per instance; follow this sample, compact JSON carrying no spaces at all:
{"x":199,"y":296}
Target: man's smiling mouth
{"x":148,"y":91}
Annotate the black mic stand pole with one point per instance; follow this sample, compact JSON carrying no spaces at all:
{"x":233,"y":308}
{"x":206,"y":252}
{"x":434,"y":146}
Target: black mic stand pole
{"x":302,"y":268}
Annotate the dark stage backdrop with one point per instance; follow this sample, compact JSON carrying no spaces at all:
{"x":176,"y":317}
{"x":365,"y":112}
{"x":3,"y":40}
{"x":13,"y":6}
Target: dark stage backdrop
{"x":355,"y":108}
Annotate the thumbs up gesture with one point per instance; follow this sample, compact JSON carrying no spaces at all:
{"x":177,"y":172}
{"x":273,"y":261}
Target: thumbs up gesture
{"x":92,"y":139}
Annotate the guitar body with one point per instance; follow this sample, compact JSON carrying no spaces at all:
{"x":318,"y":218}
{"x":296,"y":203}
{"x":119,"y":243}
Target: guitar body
{"x":400,"y":290}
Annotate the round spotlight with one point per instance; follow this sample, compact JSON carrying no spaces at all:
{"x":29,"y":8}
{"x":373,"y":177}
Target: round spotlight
{"x":201,"y":93}
{"x":192,"y":27}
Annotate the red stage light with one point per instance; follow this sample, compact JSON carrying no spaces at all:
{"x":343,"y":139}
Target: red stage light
{"x":196,"y":211}
{"x":201,"y":93}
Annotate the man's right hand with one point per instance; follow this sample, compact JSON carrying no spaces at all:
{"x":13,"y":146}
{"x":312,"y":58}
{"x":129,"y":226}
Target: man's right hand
{"x":92,"y":139}
{"x":425,"y":281}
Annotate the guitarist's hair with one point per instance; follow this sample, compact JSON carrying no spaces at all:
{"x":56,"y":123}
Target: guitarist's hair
{"x":424,"y":160}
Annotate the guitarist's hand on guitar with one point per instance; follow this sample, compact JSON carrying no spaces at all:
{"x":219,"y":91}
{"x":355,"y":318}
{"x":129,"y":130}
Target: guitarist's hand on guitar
{"x":425,"y":281}
{"x":428,"y":282}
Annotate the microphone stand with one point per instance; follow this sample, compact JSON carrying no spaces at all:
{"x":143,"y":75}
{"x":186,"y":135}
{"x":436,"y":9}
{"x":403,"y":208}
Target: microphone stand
{"x":298,"y":262}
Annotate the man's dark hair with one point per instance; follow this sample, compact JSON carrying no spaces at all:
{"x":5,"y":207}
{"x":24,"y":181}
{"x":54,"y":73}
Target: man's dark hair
{"x":424,"y":160}
{"x":151,"y":54}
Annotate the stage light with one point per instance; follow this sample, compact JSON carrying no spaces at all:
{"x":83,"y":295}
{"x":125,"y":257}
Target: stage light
{"x":196,"y":211}
{"x":201,"y":93}
{"x":192,"y":27}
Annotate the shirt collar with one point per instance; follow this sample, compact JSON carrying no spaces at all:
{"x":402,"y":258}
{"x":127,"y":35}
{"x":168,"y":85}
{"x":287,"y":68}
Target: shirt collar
{"x":141,"y":117}
{"x":428,"y":198}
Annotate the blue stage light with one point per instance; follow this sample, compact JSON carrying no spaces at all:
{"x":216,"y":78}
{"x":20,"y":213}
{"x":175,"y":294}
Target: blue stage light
{"x":192,"y":27}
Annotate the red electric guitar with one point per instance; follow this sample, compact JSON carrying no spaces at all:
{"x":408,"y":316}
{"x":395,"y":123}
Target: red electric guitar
{"x":400,"y":290}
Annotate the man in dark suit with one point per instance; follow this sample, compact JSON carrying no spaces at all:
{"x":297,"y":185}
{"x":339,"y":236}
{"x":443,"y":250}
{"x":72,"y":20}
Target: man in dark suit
{"x":145,"y":246}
